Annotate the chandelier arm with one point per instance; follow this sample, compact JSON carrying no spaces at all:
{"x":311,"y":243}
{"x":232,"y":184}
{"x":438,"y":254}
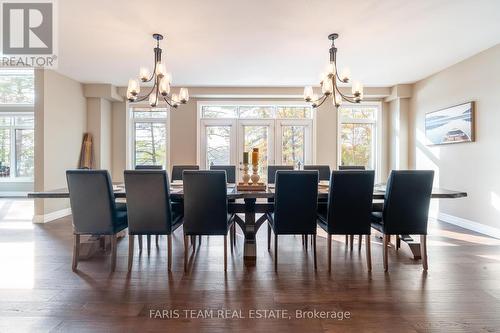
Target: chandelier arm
{"x":345,"y":97}
{"x":325,"y":97}
{"x":320,"y":98}
{"x":152,"y":74}
{"x":143,"y":98}
{"x":166,"y":100}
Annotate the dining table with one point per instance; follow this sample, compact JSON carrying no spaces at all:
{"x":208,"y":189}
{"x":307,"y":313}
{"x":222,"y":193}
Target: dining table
{"x":251,"y":208}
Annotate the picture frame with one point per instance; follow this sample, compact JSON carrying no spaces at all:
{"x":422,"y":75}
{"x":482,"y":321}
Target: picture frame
{"x":451,"y":125}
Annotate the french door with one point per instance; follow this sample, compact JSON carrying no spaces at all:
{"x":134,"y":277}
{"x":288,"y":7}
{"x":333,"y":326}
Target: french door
{"x":280,"y":141}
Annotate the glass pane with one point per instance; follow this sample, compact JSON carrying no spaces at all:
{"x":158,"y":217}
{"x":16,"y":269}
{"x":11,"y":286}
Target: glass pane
{"x":258,"y":137}
{"x":25,"y":152}
{"x":256,"y":112}
{"x":150,"y":143}
{"x":221,"y":111}
{"x":356,"y":140}
{"x":150,"y":113}
{"x":296,"y":112}
{"x":17,"y":86}
{"x":5,"y":120}
{"x":293,"y":149}
{"x":357,"y":112}
{"x":25,"y":121}
{"x":4,"y":152}
{"x":218,"y":145}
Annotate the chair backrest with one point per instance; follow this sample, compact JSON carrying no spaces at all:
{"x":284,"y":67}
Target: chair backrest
{"x":177,"y":170}
{"x":324,"y":170}
{"x":407,"y":200}
{"x":296,"y":202}
{"x":149,"y":167}
{"x":148,"y":202}
{"x":205,"y":202}
{"x":230,"y":172}
{"x":92,"y":201}
{"x":350,"y":202}
{"x":351,"y":167}
{"x":271,"y":171}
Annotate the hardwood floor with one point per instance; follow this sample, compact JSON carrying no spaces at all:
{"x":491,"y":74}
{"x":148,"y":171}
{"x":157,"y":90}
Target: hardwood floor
{"x":39,"y":292}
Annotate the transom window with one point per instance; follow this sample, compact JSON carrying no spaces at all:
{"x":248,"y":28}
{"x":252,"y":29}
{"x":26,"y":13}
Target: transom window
{"x":150,"y":137}
{"x":282,"y":132}
{"x":358,"y":135}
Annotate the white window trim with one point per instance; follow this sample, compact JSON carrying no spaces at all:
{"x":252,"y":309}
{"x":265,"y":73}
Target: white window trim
{"x":12,"y":111}
{"x":131,"y":132}
{"x":201,"y":104}
{"x":378,"y":135}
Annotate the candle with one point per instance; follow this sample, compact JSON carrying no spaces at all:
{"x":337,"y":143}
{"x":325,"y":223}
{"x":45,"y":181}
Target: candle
{"x":255,"y":156}
{"x":245,"y":157}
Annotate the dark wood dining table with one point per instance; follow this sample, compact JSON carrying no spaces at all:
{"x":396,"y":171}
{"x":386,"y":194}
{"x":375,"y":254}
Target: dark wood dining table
{"x":251,"y":204}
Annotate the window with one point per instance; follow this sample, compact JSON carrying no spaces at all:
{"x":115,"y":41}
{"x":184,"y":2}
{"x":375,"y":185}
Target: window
{"x":17,"y":123}
{"x":150,"y":136}
{"x":358,"y":135}
{"x":17,"y":145}
{"x":282,"y":132}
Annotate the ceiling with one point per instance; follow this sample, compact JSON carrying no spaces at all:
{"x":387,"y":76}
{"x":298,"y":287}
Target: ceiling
{"x":271,"y":42}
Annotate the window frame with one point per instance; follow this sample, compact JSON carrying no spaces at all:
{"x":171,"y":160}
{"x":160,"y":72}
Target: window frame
{"x":376,"y":136}
{"x":132,"y":141}
{"x":16,"y":110}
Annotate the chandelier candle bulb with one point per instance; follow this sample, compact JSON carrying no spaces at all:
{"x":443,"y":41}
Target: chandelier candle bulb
{"x":160,"y":70}
{"x":308,"y":93}
{"x":152,"y":100}
{"x":184,"y":95}
{"x":330,"y":69}
{"x":133,"y":87}
{"x":327,"y":86}
{"x":164,"y":87}
{"x":144,"y":74}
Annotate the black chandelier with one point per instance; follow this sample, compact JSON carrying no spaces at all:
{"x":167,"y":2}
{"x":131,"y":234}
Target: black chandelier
{"x":161,"y":83}
{"x":329,"y":83}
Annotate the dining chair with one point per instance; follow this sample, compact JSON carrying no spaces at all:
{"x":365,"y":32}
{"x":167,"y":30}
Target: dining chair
{"x":150,"y":211}
{"x":351,"y":167}
{"x":206,"y":208}
{"x":177,"y":170}
{"x":230,"y":172}
{"x":296,"y":200}
{"x":148,"y":167}
{"x":94,"y":209}
{"x":349,"y":208}
{"x":324,"y":171}
{"x":271,"y":171}
{"x":406,"y":209}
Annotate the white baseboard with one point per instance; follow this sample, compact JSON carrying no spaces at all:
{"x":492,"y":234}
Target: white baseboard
{"x":470,"y":225}
{"x":52,"y":216}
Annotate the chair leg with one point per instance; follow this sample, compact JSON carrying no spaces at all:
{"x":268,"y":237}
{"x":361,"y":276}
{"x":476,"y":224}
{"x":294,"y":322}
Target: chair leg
{"x":169,"y":246}
{"x":351,"y":239}
{"x":384,"y":251}
{"x":269,"y":237}
{"x":157,"y":240}
{"x":423,"y":249}
{"x":193,"y":242}
{"x":360,"y":241}
{"x":314,"y":251}
{"x":148,"y":237}
{"x":186,"y":240}
{"x":231,"y":236}
{"x":225,"y":253}
{"x":368,"y":253}
{"x":199,"y":239}
{"x":76,"y":252}
{"x":276,"y":252}
{"x":329,"y":246}
{"x":346,"y":241}
{"x":398,"y":242}
{"x":113,"y":252}
{"x":234,"y":233}
{"x":303,"y":240}
{"x":130,"y":251}
{"x":140,"y":242}
{"x":306,"y":240}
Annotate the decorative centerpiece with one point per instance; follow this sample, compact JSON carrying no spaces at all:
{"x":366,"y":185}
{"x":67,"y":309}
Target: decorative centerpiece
{"x":254,"y":185}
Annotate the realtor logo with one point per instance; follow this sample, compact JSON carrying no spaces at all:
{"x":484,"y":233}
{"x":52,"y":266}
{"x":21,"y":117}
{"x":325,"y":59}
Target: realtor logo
{"x":28,"y":29}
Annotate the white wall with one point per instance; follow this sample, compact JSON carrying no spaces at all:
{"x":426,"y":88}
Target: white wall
{"x":471,"y":167}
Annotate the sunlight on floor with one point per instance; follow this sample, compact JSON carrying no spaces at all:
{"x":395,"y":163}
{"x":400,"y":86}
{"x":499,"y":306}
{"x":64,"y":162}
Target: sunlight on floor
{"x":465,"y":237}
{"x":19,"y":261}
{"x":490,"y":256}
{"x":12,"y":210}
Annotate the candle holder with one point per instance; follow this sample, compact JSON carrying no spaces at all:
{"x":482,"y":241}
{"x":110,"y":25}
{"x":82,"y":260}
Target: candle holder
{"x":255,"y":174}
{"x":245,"y":177}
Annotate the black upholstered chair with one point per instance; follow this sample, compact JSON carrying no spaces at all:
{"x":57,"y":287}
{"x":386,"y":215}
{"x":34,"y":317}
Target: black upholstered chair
{"x":94,"y":209}
{"x":324,"y":170}
{"x":271,"y":171}
{"x":205,"y":208}
{"x":406,"y":208}
{"x":230,"y":172}
{"x":351,"y":167}
{"x":149,"y":167}
{"x":296,"y":200}
{"x":177,"y":170}
{"x":349,"y":208}
{"x":150,"y":211}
